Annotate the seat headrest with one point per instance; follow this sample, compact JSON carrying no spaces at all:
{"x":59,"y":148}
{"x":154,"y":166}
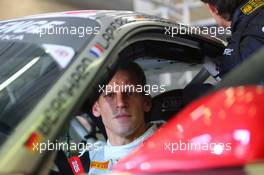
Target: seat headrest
{"x":165,"y":105}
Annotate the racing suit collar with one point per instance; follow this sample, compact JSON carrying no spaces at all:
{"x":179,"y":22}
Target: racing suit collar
{"x":238,"y":15}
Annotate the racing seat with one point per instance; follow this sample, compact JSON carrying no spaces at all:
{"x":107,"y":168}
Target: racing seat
{"x":166,"y":105}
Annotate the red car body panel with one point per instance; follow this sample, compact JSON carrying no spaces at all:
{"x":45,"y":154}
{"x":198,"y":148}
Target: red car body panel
{"x":227,"y":126}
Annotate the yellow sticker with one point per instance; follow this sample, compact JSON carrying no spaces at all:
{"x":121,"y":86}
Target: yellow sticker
{"x":99,"y":165}
{"x":251,"y":6}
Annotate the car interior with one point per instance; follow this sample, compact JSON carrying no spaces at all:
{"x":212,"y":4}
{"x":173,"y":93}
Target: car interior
{"x":162,"y":65}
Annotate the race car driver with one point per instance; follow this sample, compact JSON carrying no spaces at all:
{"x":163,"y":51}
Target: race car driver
{"x":247,"y":25}
{"x":122,"y":113}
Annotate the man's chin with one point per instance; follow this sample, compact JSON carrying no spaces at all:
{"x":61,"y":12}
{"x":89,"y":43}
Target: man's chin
{"x":126,"y":132}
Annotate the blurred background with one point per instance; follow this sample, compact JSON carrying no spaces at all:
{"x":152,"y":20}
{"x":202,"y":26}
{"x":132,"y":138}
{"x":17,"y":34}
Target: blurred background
{"x":190,"y":12}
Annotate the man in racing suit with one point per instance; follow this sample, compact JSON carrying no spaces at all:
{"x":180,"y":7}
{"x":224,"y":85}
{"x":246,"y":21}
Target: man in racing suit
{"x":122,"y":109}
{"x":247,"y":25}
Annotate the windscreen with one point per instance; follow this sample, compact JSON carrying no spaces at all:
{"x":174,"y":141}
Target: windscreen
{"x":34,"y":52}
{"x":27,"y":71}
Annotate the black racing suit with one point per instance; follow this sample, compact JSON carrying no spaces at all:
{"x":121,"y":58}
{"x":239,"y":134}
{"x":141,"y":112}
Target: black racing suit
{"x":247,"y":35}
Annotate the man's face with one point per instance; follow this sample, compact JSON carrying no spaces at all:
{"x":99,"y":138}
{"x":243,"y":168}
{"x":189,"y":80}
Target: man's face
{"x":122,"y":112}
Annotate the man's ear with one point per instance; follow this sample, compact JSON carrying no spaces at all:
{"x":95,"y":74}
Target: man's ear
{"x":219,"y":19}
{"x":147,"y":103}
{"x":213,"y":9}
{"x":96,"y":110}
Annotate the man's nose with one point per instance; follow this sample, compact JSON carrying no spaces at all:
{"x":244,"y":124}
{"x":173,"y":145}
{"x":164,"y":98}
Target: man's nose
{"x":120,"y":100}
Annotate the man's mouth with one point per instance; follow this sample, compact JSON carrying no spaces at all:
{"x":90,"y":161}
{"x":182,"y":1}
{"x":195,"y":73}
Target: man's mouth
{"x":122,"y":116}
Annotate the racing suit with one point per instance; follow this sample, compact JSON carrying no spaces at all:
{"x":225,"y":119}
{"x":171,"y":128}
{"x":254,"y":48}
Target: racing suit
{"x":247,"y":34}
{"x":103,"y":158}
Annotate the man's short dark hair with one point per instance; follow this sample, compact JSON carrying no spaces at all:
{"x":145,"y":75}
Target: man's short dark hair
{"x":226,"y":8}
{"x":135,"y":70}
